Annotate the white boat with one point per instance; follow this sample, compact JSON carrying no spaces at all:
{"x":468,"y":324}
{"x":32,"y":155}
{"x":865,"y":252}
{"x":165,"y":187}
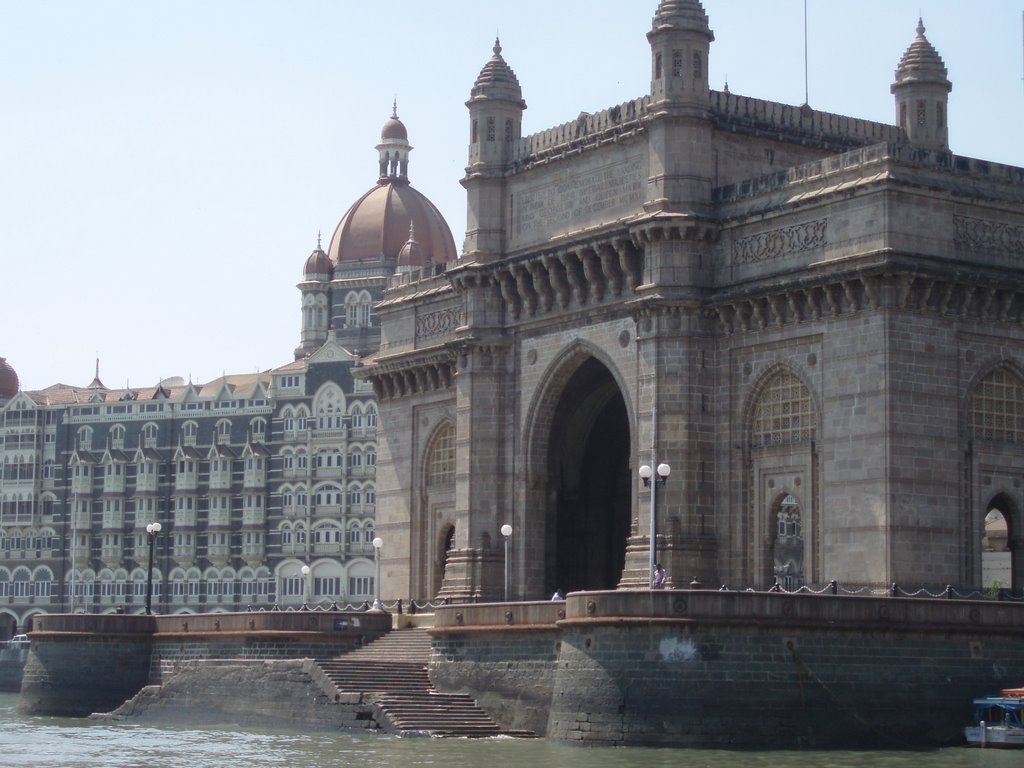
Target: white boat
{"x":997,"y":720}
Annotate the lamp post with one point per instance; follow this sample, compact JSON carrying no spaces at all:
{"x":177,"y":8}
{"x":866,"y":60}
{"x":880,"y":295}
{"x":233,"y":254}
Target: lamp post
{"x":506,"y":531}
{"x":305,"y":586}
{"x":378,"y":542}
{"x":152,"y":531}
{"x":647,"y":475}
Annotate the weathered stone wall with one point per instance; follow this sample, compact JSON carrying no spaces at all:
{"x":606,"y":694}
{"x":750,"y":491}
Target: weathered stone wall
{"x":277,"y":693}
{"x":80,"y":664}
{"x":75,"y":675}
{"x":12,"y":664}
{"x":735,"y":669}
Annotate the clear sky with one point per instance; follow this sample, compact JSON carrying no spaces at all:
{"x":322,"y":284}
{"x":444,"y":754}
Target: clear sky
{"x":165,"y":167}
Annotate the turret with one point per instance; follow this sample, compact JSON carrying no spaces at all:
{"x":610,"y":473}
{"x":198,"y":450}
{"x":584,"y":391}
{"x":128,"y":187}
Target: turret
{"x":495,"y":125}
{"x":315,"y":288}
{"x":680,"y":41}
{"x":922,"y":94}
{"x":394,"y":149}
{"x":679,"y":133}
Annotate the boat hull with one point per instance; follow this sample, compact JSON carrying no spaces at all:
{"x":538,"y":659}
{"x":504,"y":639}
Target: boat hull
{"x":994,"y":736}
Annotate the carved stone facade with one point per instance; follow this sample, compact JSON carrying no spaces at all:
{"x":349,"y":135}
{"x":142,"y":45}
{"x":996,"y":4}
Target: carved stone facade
{"x":815,"y":320}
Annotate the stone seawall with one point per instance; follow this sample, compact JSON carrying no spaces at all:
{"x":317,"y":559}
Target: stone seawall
{"x":12,"y":665}
{"x":282,"y":693}
{"x":80,"y":664}
{"x":735,"y":669}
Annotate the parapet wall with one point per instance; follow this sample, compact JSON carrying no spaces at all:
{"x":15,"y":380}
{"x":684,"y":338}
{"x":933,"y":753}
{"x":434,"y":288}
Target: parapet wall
{"x":732,"y":669}
{"x":83,"y":663}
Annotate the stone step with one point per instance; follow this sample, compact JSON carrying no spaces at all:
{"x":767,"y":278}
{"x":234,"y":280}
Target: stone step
{"x":394,"y":668}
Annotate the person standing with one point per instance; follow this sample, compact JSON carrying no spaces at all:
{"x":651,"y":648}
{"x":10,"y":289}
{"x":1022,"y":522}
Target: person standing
{"x":658,"y":579}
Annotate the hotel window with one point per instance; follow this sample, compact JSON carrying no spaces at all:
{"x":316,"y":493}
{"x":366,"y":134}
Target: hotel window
{"x":360,"y":585}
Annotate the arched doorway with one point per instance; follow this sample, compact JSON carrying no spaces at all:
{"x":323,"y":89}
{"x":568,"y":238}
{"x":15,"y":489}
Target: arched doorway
{"x":588,"y":515}
{"x":788,"y":544}
{"x":997,"y":570}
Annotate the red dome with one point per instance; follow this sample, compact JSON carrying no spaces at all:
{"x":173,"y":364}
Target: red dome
{"x":9,"y":384}
{"x":377,"y":226}
{"x":318,"y":266}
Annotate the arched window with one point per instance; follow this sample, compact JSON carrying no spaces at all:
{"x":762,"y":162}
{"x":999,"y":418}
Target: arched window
{"x":117,"y":436}
{"x":440,"y":469}
{"x":783,"y":414}
{"x":85,"y":439}
{"x":258,"y":429}
{"x":997,"y":408}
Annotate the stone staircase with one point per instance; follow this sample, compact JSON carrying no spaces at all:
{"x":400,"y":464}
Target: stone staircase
{"x":391,"y":674}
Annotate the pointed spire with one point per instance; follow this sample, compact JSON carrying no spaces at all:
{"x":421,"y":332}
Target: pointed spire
{"x":497,"y":80}
{"x":922,"y":63}
{"x":682,"y":15}
{"x":96,"y":383}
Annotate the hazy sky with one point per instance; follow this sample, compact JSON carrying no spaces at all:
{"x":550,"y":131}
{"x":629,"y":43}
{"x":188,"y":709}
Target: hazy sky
{"x":165,"y":167}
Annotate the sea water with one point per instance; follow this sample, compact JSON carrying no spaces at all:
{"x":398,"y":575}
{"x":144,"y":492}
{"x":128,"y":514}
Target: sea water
{"x":45,"y":742}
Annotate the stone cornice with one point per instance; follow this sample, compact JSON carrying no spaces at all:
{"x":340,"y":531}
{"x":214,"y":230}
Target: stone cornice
{"x":882,"y":281}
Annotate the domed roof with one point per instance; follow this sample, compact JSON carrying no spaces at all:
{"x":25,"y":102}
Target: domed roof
{"x":497,"y":81}
{"x":9,"y":384}
{"x":394,"y":128}
{"x":411,"y":254}
{"x":682,"y":14}
{"x":922,"y":63}
{"x":318,"y":265}
{"x":378,"y":224}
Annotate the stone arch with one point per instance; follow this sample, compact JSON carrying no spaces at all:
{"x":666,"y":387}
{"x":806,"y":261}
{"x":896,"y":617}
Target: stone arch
{"x":992,"y":434}
{"x":579,"y":491}
{"x":780,"y":424}
{"x":329,"y":407}
{"x":1001,"y":544}
{"x":27,"y":618}
{"x":434,"y":510}
{"x":8,"y":624}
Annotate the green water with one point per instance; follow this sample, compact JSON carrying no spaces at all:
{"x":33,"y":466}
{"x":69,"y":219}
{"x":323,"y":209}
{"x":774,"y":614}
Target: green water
{"x":63,"y":743}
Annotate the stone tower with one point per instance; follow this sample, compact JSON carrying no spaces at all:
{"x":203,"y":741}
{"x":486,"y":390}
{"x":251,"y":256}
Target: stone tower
{"x":922,"y":94}
{"x":681,"y":158}
{"x":496,"y":118}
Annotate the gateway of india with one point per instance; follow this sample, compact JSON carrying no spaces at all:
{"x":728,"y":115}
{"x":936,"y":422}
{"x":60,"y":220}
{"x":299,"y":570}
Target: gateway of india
{"x":813,"y":321}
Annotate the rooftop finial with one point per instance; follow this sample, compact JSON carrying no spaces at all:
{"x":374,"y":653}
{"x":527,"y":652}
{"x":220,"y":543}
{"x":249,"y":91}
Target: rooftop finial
{"x":394,"y":108}
{"x":318,"y":241}
{"x":497,"y":46}
{"x":920,"y":26}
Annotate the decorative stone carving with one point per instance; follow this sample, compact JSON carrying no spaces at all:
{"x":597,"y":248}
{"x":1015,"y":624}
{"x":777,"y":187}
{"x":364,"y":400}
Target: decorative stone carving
{"x":438,"y":323}
{"x":989,"y":237}
{"x":777,"y":243}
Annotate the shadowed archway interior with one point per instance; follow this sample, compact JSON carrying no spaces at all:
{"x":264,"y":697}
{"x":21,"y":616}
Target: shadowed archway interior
{"x":589,"y":483}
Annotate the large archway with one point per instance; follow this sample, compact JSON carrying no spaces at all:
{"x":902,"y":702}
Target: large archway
{"x":588,"y":515}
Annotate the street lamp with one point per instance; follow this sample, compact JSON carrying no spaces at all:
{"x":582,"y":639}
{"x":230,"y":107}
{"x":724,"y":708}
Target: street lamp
{"x":506,"y":531}
{"x":647,"y":474}
{"x":305,"y":586}
{"x":152,"y":531}
{"x":377,"y":544}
